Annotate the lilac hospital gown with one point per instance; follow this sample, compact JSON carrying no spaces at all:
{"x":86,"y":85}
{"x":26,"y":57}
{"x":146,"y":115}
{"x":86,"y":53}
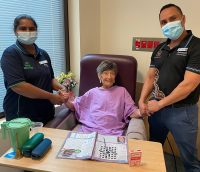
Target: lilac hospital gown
{"x":106,"y":111}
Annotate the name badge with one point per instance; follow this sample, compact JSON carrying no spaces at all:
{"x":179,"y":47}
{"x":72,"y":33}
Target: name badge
{"x":43,"y":62}
{"x":182,"y":49}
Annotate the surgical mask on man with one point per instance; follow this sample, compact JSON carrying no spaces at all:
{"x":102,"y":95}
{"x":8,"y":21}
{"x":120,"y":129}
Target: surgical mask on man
{"x":173,"y":30}
{"x":27,"y":38}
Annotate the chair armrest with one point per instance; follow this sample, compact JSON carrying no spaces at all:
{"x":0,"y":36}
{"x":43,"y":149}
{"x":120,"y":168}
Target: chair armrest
{"x":61,"y":112}
{"x":69,"y":122}
{"x":136,"y":129}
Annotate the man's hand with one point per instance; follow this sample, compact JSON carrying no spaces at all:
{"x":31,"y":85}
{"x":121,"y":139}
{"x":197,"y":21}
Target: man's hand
{"x":153,"y":106}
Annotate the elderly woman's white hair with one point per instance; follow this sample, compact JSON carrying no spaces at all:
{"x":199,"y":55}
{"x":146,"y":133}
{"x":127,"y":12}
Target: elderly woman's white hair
{"x":106,"y":65}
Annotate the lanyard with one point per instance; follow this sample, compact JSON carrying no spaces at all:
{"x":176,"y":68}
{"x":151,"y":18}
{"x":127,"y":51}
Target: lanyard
{"x":190,"y":38}
{"x":188,"y":41}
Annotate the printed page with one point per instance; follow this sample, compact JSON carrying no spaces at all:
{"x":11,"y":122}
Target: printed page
{"x":111,"y":149}
{"x":78,"y":146}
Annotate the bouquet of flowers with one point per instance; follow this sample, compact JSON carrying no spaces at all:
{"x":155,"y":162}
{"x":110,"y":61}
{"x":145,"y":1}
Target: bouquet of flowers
{"x":67,"y":80}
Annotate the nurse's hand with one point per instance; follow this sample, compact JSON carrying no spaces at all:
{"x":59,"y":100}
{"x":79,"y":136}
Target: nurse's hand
{"x":57,"y":99}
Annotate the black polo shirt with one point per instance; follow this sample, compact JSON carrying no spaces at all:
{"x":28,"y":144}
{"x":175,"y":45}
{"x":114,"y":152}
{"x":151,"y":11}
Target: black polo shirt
{"x":19,"y":66}
{"x":171,"y":65}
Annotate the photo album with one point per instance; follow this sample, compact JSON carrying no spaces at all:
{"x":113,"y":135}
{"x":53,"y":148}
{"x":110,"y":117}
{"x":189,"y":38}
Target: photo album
{"x":94,"y":146}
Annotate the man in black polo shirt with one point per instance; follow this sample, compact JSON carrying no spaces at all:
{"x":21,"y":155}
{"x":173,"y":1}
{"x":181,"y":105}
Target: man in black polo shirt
{"x":172,"y":86}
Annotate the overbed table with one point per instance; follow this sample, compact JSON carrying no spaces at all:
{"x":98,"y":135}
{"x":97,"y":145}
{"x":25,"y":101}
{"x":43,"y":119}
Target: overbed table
{"x":152,"y":158}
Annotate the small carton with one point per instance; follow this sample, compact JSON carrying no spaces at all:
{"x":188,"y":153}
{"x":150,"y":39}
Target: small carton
{"x":135,"y":157}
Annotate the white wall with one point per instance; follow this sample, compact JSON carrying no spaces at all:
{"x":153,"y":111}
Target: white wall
{"x":107,"y":26}
{"x":74,"y":37}
{"x":84,"y":31}
{"x":89,"y":26}
{"x":123,"y":19}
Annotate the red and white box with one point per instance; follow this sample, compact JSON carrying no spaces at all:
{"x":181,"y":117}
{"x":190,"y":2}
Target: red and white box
{"x":135,"y":157}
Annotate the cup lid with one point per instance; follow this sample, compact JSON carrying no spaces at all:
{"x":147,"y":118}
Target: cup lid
{"x":19,"y":123}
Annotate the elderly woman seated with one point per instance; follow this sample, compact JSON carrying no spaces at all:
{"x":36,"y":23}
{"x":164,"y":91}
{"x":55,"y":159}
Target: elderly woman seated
{"x":106,"y":109}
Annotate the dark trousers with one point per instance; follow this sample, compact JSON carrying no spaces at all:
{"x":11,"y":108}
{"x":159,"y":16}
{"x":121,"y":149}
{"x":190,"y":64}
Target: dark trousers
{"x":183,"y":124}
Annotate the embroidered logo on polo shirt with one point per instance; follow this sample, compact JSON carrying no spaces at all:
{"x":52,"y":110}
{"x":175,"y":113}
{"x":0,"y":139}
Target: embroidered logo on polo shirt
{"x":27,"y":65}
{"x":182,"y":52}
{"x":158,"y":54}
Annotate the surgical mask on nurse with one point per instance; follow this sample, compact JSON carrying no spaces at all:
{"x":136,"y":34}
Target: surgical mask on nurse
{"x":173,"y":30}
{"x":27,"y":38}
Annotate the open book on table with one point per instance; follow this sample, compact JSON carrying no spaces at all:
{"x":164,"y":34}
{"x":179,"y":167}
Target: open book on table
{"x":94,"y":146}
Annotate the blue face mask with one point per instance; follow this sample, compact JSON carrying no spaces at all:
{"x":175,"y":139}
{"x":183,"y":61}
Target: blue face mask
{"x":173,"y":30}
{"x":27,"y":38}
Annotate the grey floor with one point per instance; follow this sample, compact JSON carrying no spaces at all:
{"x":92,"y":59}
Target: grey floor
{"x":170,"y":164}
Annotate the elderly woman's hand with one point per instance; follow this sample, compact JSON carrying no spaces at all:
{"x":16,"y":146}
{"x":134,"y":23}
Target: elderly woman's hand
{"x":65,"y":95}
{"x":143,"y":109}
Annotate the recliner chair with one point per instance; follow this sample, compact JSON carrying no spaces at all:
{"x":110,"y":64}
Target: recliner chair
{"x":127,"y":73}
